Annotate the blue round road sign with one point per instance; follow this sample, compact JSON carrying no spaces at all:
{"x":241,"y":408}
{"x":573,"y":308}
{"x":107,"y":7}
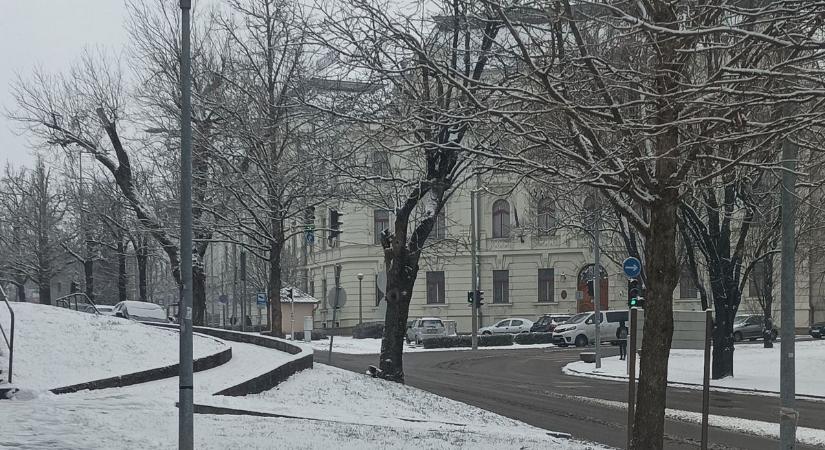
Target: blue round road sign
{"x":632,"y":267}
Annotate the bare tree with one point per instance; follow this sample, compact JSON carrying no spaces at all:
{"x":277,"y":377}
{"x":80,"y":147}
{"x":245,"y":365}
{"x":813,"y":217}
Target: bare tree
{"x":644,"y":101}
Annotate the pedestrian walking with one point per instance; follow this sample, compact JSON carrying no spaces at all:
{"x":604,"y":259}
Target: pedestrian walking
{"x":621,"y":335}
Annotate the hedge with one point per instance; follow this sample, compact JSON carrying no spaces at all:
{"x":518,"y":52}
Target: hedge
{"x":368,"y":330}
{"x":495,"y":340}
{"x":533,"y":338}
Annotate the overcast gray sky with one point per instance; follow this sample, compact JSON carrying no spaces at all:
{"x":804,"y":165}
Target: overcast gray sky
{"x":51,"y":34}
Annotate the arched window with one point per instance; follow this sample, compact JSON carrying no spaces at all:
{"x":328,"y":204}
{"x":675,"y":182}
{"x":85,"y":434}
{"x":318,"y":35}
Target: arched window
{"x":501,"y":219}
{"x":546,"y":216}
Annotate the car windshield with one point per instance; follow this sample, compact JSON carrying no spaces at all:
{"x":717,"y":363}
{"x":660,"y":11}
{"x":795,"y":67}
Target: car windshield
{"x":544,"y":321}
{"x":431,"y":323}
{"x":578,"y":318}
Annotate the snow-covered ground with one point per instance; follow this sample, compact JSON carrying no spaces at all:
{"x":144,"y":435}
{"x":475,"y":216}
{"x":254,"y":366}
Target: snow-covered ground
{"x":56,"y":347}
{"x":754,"y":368}
{"x":330,"y":408}
{"x":346,"y":344}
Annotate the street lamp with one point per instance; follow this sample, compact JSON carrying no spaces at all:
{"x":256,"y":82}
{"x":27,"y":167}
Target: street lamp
{"x":360,"y":299}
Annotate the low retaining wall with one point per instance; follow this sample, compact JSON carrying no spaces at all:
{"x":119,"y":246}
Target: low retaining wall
{"x":268,"y":380}
{"x":207,"y":362}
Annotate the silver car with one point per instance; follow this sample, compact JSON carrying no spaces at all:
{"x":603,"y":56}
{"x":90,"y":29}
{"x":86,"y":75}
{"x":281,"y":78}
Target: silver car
{"x":513,"y":325}
{"x":425,"y":328}
{"x":750,"y":327}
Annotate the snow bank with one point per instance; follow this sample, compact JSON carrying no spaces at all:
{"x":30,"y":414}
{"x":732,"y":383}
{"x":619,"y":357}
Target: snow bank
{"x":345,"y":344}
{"x":754,"y":368}
{"x":56,"y":347}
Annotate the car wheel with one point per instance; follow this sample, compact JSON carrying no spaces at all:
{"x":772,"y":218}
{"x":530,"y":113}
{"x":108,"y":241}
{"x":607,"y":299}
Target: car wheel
{"x":581,"y":340}
{"x":486,"y":333}
{"x":737,"y":337}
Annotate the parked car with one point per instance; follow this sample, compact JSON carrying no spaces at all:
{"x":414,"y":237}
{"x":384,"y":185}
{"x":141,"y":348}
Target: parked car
{"x":425,"y":328}
{"x":106,"y":310}
{"x":749,"y":326}
{"x":141,"y":311}
{"x":513,"y":325}
{"x":548,"y":322}
{"x":817,"y":330}
{"x":580,"y":330}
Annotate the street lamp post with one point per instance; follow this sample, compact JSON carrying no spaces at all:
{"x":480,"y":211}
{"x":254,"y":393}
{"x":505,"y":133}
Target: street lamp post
{"x":185,"y":381}
{"x":360,"y":299}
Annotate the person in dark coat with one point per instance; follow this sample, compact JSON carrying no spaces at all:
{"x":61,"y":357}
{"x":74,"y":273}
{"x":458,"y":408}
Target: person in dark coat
{"x":621,"y":335}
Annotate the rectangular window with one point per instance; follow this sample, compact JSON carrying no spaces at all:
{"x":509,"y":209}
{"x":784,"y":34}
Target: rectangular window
{"x":501,"y":286}
{"x":757,"y":279}
{"x":440,"y":227}
{"x":323,"y":233}
{"x":435,"y":287}
{"x":545,"y":287}
{"x":312,"y":288}
{"x":380,"y":164}
{"x":381,"y":222}
{"x":687,"y":285}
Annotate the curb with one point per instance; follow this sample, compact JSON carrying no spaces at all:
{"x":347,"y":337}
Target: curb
{"x":207,"y":362}
{"x":735,"y":390}
{"x":269,"y":379}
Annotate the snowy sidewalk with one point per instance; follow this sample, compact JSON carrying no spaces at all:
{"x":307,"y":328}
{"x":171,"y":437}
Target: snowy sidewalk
{"x":755,"y":368}
{"x":345,"y":410}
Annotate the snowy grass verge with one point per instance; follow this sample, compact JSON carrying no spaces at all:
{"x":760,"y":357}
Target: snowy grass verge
{"x":756,"y":369}
{"x":345,"y":344}
{"x":56,"y":347}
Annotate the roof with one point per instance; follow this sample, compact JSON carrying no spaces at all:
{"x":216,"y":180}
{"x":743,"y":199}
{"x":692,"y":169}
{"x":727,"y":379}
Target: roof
{"x":298,"y":295}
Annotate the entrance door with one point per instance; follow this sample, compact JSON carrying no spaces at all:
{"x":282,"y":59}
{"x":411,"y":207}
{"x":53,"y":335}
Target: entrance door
{"x":585,"y":302}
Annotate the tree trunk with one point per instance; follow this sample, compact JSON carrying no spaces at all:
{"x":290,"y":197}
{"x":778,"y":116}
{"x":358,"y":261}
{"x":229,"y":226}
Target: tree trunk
{"x":649,"y":420}
{"x":142,"y":260}
{"x":275,"y":314}
{"x":767,"y":303}
{"x":21,"y":292}
{"x":401,"y":275}
{"x":198,"y":293}
{"x":723,"y":342}
{"x":121,"y":271}
{"x":89,"y":270}
{"x":45,"y":289}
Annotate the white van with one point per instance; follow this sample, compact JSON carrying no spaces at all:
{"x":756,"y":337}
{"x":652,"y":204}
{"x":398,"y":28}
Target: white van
{"x":580,"y":330}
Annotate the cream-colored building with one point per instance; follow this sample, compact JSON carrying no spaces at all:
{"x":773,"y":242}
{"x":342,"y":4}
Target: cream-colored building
{"x":529,"y":265}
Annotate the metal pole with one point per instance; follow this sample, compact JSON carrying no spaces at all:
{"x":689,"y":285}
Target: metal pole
{"x":474,"y":277}
{"x":787,"y":383}
{"x":185,"y":382}
{"x":360,"y":299}
{"x":706,"y":379}
{"x":334,"y":308}
{"x":477,"y":239}
{"x":597,"y":279}
{"x":631,"y":377}
{"x":243,"y":290}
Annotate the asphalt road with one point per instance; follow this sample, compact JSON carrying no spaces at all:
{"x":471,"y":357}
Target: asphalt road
{"x":528,"y":385}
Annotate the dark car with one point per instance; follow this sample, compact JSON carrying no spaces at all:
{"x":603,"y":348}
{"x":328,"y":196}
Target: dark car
{"x":817,"y":330}
{"x":548,"y":322}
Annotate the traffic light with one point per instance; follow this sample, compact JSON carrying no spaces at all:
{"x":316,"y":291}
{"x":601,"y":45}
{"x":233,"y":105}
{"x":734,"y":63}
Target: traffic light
{"x":470,"y":298}
{"x":334,"y":224}
{"x":479,"y":298}
{"x":634,"y":294}
{"x":309,"y":216}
